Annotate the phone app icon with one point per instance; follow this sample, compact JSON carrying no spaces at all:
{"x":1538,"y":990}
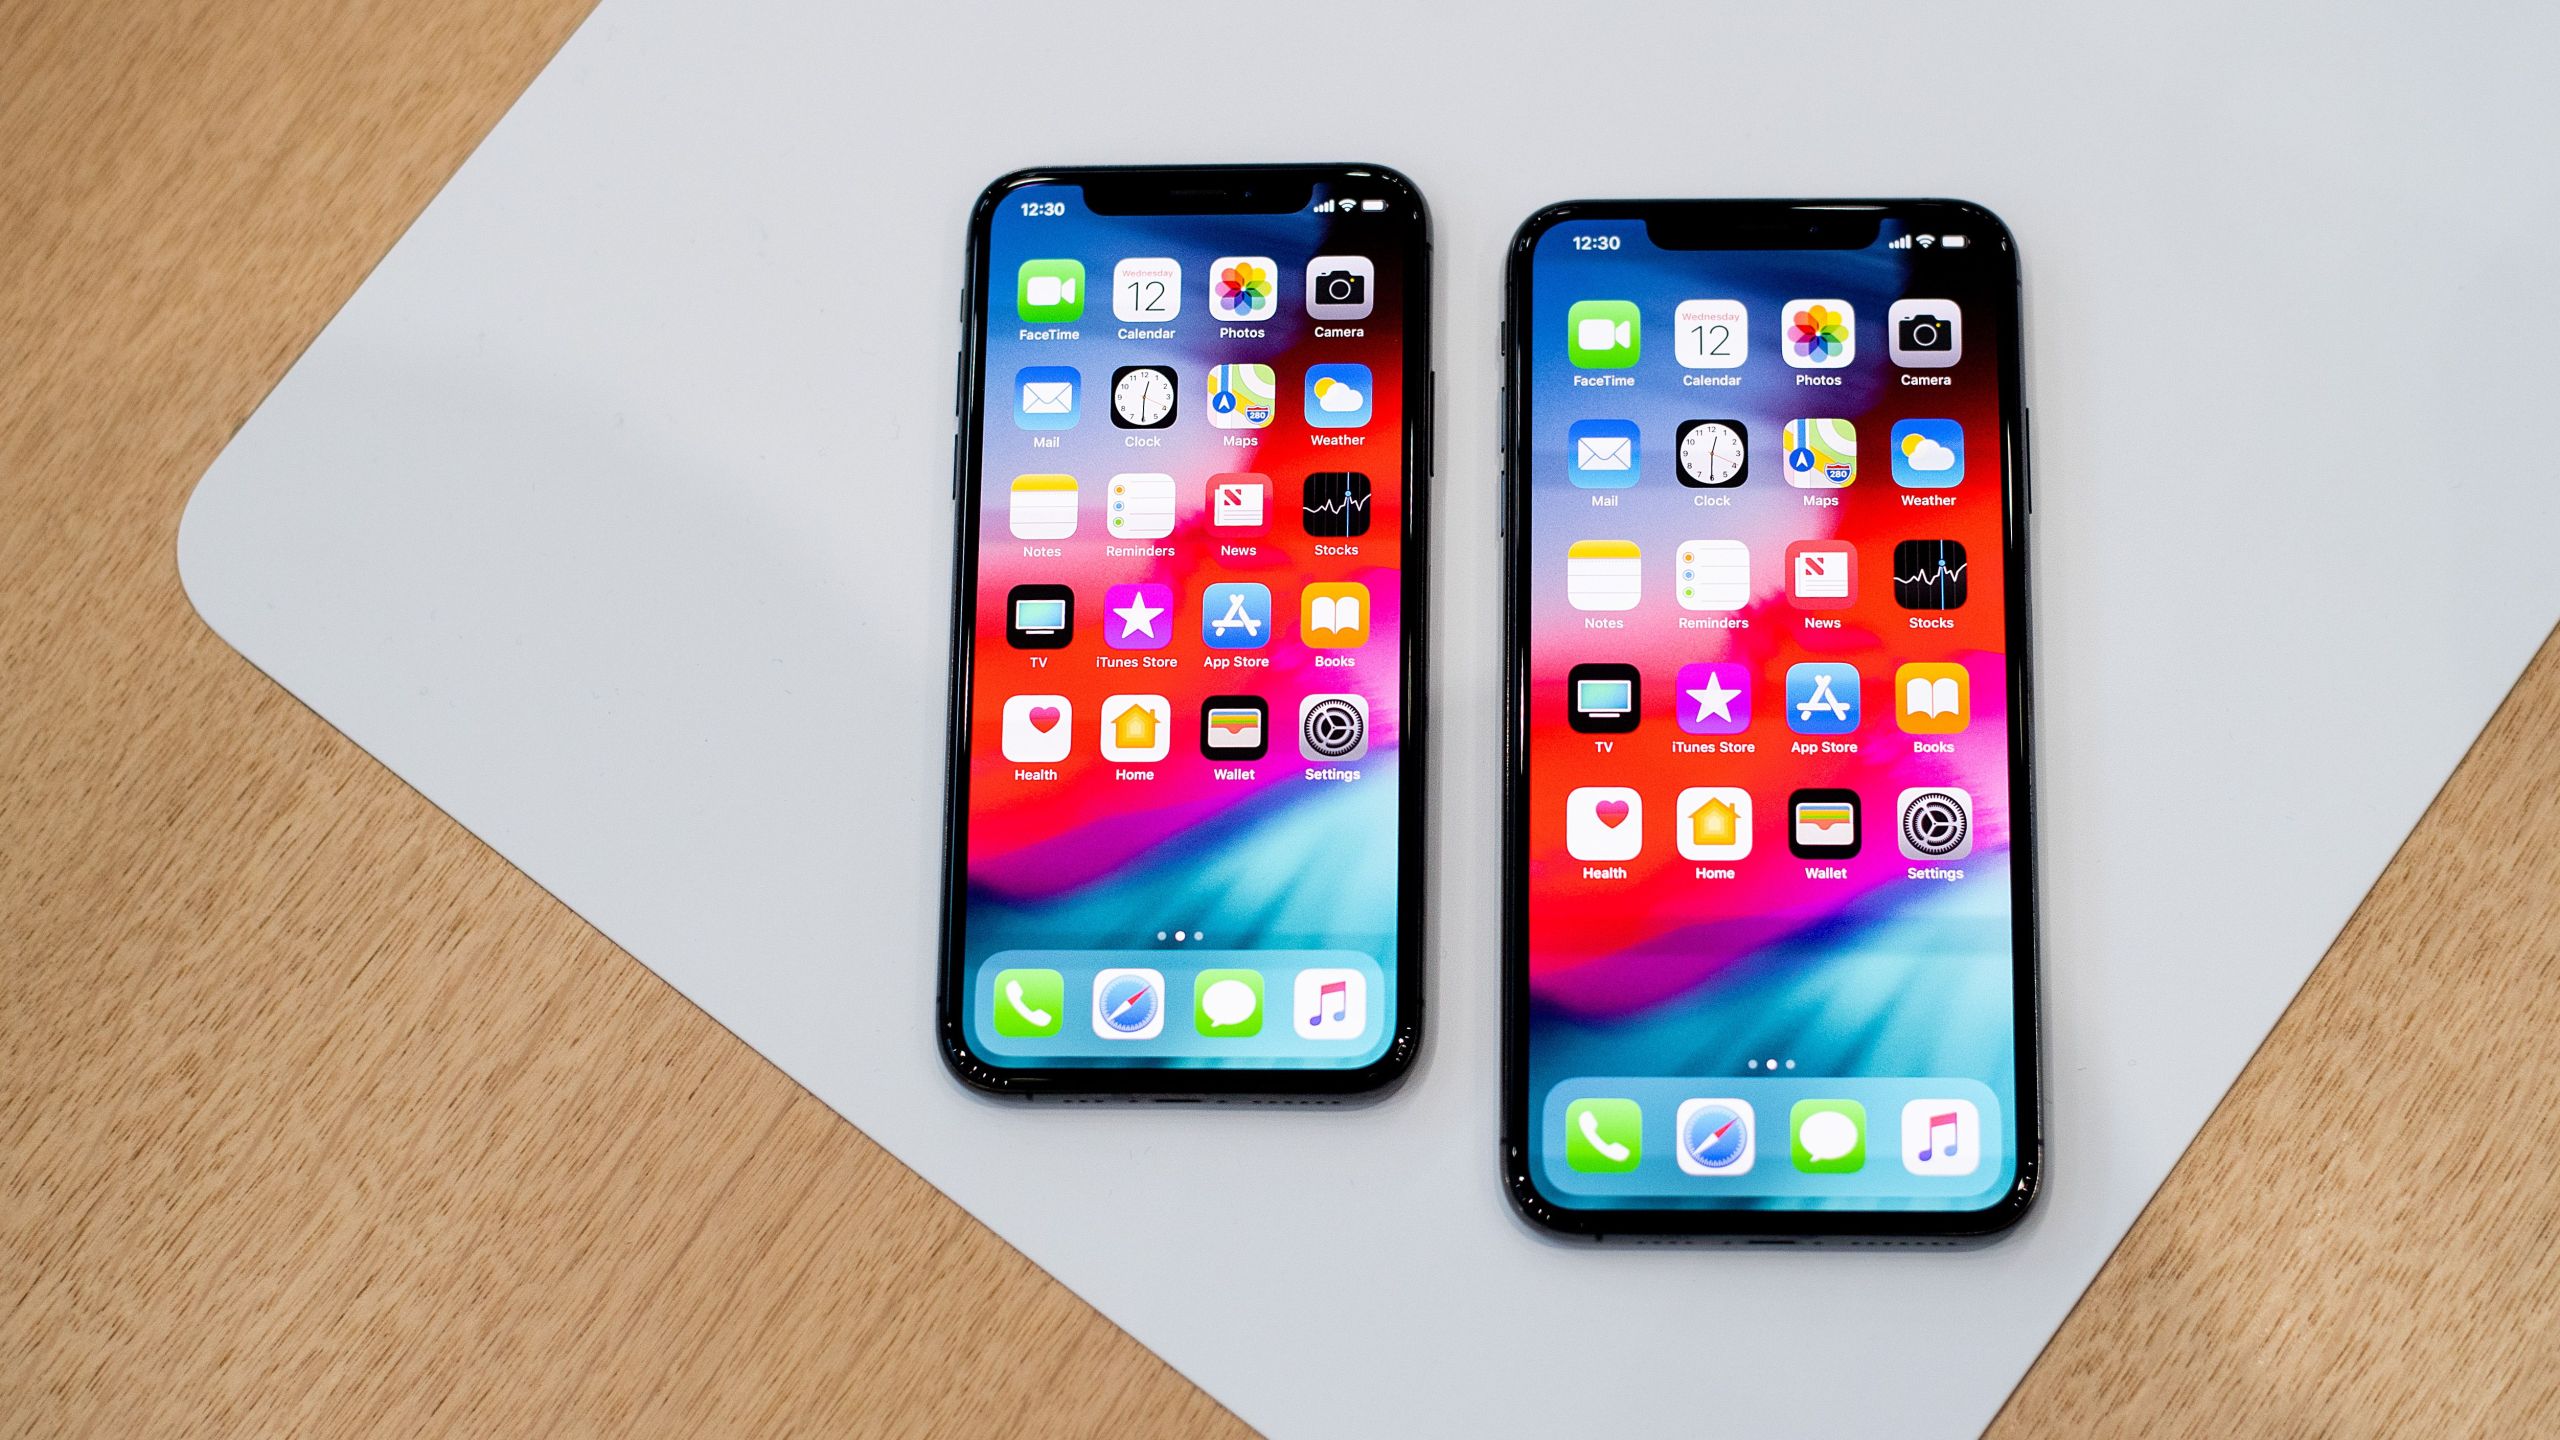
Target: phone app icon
{"x":1711,"y":334}
{"x":1047,"y":292}
{"x":1715,"y":1136}
{"x":1045,"y":397}
{"x":1335,"y":504}
{"x":1818,"y":334}
{"x":1137,"y":617}
{"x":1927,"y":454}
{"x":1140,"y":507}
{"x":1931,"y":698}
{"x":1029,"y":1003}
{"x":1143,"y":397}
{"x":1128,"y":1004}
{"x":1830,"y":1136}
{"x":1713,"y":697}
{"x":1929,"y":574}
{"x":1240,"y":504}
{"x":1043,"y":507}
{"x":1334,"y":615}
{"x":1333,"y":727}
{"x":1227,"y":1004}
{"x":1236,"y":617}
{"x":1941,"y":1137}
{"x":1242,"y":397}
{"x":1822,"y":824}
{"x":1038,"y":729}
{"x":1329,"y":1005}
{"x":1603,"y":1137}
{"x":1924,"y":334}
{"x":1603,"y":574}
{"x":1822,"y":697}
{"x":1934,"y":823}
{"x":1822,"y":574}
{"x":1714,"y":575}
{"x":1243,"y":287}
{"x":1341,"y":287}
{"x":1338,"y":396}
{"x":1712,"y":822}
{"x":1235,"y":727}
{"x":1604,"y":334}
{"x":1146,"y":291}
{"x":1039,"y":617}
{"x":1604,"y":699}
{"x":1136,"y":728}
{"x":1714,"y":454}
{"x":1604,"y":453}
{"x":1820,"y":454}
{"x":1604,"y":822}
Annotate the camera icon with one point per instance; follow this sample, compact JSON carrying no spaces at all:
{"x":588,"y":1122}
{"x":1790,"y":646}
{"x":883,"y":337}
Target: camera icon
{"x":1341,"y":287}
{"x":1925,"y":334}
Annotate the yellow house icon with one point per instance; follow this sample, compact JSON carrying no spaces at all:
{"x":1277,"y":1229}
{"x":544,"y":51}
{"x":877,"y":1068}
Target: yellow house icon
{"x":1134,"y":728}
{"x":1714,"y":823}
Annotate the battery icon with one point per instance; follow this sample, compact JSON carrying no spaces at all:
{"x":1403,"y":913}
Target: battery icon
{"x":1952,"y":242}
{"x":1373,"y":204}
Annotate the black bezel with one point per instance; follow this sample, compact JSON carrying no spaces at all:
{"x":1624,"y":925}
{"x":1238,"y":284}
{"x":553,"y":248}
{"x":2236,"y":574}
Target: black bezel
{"x":1192,"y":190}
{"x":1764,"y":224}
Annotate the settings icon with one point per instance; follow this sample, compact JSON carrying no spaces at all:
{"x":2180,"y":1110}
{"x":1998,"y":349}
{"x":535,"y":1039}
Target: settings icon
{"x":1935,"y":824}
{"x":1333,"y":727}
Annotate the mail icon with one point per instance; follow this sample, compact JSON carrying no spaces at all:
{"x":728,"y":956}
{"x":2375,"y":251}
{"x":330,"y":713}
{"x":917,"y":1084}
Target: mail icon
{"x":1604,"y":453}
{"x":1048,"y":397}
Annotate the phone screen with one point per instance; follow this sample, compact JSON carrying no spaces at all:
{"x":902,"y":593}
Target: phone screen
{"x":1185,"y":815}
{"x":1766,"y":834}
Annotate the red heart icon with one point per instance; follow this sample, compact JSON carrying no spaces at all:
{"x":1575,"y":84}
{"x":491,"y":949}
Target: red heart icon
{"x":1044,"y":716}
{"x":1610,"y":812}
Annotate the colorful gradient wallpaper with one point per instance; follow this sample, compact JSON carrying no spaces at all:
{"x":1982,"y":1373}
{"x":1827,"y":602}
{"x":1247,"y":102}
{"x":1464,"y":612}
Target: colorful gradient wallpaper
{"x":1769,"y":909}
{"x":1184,"y":714}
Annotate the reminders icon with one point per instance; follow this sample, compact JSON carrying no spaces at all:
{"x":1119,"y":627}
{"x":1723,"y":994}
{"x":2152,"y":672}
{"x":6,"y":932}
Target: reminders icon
{"x":1603,"y":574}
{"x":1044,"y":507}
{"x":1141,"y":507}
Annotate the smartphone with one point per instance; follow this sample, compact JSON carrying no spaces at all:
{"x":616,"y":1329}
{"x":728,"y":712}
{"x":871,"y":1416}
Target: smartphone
{"x":1769,"y":900}
{"x":1183,"y":839}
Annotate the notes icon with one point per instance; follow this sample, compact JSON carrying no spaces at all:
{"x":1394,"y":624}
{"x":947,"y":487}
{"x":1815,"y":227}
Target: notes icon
{"x":1044,"y":507}
{"x":1603,"y":574}
{"x":1330,"y":1004}
{"x":1941,"y":1137}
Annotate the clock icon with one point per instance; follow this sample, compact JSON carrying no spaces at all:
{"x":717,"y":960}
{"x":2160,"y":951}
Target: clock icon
{"x":1142,"y":397}
{"x":1714,"y":453}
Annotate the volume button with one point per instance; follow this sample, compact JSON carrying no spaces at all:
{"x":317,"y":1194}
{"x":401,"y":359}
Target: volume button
{"x":1502,"y":437}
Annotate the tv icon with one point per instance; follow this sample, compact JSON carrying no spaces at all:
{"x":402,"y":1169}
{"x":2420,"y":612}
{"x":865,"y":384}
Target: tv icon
{"x":1603,"y":698}
{"x":1039,"y":617}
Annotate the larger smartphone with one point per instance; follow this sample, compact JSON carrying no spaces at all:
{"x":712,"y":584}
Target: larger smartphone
{"x":1183,"y":844}
{"x":1770,"y":947}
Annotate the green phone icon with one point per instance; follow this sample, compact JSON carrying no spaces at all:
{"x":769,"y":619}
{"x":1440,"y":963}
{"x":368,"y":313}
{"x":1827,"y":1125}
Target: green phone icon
{"x":1603,"y":1137}
{"x":1049,"y":290}
{"x":1030,"y":1002}
{"x":1830,"y":1136}
{"x":1227,"y":1003}
{"x":1604,"y":334}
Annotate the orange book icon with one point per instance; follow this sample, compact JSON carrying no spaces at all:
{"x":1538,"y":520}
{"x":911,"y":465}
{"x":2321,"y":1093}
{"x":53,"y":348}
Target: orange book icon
{"x":1334,"y":616}
{"x":1932,"y":699}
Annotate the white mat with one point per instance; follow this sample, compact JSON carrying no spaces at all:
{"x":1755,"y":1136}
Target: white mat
{"x":612,"y":514}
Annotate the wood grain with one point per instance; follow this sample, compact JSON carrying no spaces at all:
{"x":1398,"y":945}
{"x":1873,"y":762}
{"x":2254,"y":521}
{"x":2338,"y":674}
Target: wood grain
{"x":317,"y":1117}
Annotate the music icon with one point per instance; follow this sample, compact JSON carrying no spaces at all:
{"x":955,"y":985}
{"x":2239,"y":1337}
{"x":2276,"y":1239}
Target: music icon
{"x":1330,"y":1005}
{"x":1941,"y":1137}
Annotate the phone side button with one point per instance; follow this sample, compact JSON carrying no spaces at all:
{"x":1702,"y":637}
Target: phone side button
{"x":2026,"y":461}
{"x":955,"y":467}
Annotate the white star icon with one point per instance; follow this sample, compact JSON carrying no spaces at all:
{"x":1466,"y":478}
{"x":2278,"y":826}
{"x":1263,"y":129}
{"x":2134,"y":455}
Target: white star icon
{"x":1715,"y":700}
{"x":1138,"y":617}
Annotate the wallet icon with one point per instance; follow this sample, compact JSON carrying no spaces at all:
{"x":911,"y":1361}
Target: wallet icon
{"x":1048,"y":397}
{"x":1604,"y":453}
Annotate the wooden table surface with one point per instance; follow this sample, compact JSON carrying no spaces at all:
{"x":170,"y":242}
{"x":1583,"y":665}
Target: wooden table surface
{"x":316,"y":1116}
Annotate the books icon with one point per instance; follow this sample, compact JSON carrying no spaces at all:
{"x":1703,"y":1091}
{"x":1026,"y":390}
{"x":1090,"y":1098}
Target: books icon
{"x":1335,"y":616}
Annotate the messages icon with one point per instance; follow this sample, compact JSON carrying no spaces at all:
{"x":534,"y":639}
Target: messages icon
{"x":1830,"y":1136}
{"x":1604,"y":334}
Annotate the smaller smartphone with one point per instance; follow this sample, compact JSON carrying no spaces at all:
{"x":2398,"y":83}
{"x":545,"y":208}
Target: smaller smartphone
{"x":1769,"y":905}
{"x":1183,"y":836}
